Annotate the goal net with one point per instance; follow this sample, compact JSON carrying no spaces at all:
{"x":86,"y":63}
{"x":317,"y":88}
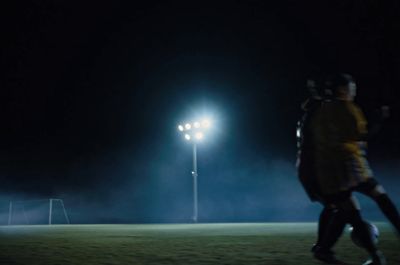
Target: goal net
{"x":29,"y":212}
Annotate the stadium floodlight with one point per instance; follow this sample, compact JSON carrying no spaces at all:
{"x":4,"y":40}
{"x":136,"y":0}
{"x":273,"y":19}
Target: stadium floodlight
{"x":195,"y":133}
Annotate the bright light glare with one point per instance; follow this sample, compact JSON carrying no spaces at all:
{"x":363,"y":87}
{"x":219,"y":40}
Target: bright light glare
{"x":188,"y":126}
{"x":199,"y":135}
{"x":196,"y":124}
{"x":206,"y":123}
{"x":187,"y":137}
{"x":180,"y":128}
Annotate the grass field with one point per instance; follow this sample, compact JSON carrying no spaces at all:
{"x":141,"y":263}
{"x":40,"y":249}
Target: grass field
{"x":252,"y":243}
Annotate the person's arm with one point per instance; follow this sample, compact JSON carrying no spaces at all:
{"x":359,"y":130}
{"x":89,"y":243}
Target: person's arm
{"x":377,"y":120}
{"x":359,"y":131}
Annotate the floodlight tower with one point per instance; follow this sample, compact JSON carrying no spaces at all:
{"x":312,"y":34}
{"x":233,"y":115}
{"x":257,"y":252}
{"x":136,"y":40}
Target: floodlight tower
{"x":194,"y":132}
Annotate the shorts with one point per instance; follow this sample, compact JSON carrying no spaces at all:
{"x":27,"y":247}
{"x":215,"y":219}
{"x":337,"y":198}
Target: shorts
{"x":365,"y":187}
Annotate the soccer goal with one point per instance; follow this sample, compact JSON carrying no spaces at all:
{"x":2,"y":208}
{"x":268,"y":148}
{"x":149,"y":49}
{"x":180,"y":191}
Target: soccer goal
{"x":46,"y":211}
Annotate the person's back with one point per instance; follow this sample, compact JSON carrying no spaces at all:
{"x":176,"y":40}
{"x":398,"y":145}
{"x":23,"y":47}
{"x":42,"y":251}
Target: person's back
{"x":338,"y":129}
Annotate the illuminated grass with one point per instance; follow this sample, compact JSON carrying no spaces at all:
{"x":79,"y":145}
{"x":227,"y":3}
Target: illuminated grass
{"x":264,"y":243}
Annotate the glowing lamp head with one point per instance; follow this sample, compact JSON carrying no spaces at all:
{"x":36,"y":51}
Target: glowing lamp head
{"x":206,"y":123}
{"x":196,"y":125}
{"x":298,"y":133}
{"x":188,"y":126}
{"x":187,"y":137}
{"x":180,"y":128}
{"x":199,"y":136}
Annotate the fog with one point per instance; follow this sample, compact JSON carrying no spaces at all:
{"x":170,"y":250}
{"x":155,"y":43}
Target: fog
{"x":156,"y":187}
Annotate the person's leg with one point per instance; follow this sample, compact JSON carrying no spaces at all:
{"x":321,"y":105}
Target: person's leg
{"x":372,"y":189}
{"x":348,"y":211}
{"x":334,"y":220}
{"x":329,"y":235}
{"x":352,"y":214}
{"x":323,"y":222}
{"x":330,"y":228}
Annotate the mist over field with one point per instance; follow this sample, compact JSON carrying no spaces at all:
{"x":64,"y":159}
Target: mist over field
{"x":232,"y":188}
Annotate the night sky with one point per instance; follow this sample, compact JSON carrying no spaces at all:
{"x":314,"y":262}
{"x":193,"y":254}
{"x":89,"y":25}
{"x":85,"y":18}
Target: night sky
{"x":92,"y":93}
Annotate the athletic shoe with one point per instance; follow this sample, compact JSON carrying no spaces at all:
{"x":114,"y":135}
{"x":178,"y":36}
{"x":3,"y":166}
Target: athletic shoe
{"x":326,"y":256}
{"x":316,"y":247}
{"x":376,"y":259}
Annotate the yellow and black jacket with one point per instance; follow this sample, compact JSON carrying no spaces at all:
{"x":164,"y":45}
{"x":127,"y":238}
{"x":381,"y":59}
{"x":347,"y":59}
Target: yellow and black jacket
{"x":339,"y":128}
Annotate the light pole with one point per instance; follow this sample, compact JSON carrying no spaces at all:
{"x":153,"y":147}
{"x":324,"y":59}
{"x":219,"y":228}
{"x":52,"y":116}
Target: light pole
{"x":194,"y":132}
{"x":195,"y":175}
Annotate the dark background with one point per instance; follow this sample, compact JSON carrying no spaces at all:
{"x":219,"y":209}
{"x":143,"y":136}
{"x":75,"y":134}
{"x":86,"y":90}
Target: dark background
{"x":92,"y":93}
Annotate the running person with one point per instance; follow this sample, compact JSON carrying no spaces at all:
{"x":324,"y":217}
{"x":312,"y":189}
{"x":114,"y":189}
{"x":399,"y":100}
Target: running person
{"x":339,"y":131}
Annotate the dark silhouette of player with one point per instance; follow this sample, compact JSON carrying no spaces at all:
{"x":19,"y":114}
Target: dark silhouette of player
{"x":332,"y":165}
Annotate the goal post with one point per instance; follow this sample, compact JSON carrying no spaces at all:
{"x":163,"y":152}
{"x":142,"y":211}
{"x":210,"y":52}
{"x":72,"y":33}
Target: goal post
{"x":22,"y":212}
{"x":10,"y":213}
{"x":65,"y":211}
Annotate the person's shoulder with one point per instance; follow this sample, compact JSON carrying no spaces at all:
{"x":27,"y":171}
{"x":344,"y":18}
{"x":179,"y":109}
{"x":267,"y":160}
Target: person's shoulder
{"x":327,"y":104}
{"x":345,"y":105}
{"x":353,"y":106}
{"x":311,"y":103}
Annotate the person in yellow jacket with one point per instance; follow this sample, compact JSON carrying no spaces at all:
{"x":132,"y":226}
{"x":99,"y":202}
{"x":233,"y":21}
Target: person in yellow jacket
{"x":339,"y":132}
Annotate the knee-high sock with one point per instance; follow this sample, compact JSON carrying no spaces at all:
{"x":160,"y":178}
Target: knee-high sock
{"x":389,"y":210}
{"x":324,"y":219}
{"x":333,"y":229}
